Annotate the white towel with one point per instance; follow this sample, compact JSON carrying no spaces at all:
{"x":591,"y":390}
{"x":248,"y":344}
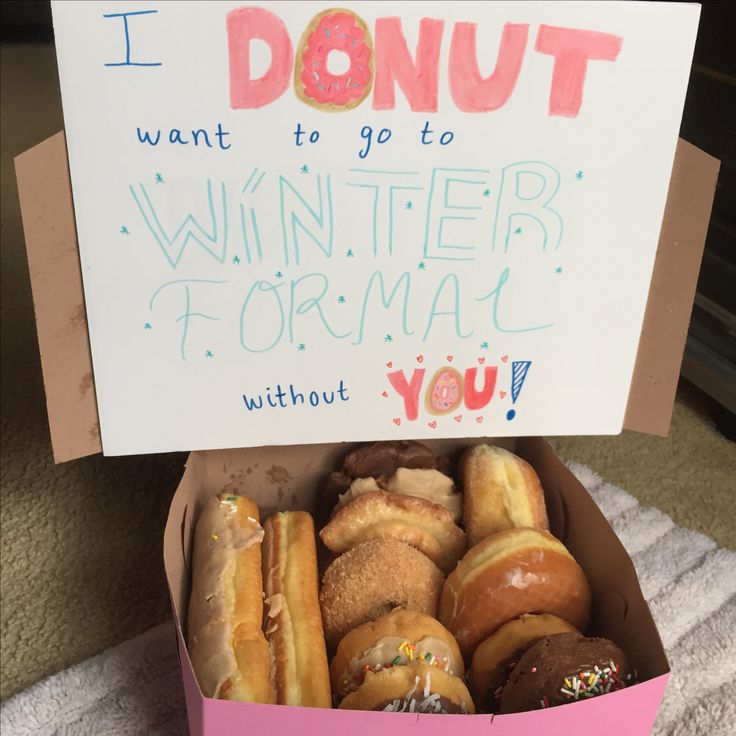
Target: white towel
{"x":134,"y":689}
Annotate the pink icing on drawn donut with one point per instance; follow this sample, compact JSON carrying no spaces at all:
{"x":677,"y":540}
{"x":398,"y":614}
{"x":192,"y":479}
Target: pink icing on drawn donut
{"x":338,"y":30}
{"x":446,"y":391}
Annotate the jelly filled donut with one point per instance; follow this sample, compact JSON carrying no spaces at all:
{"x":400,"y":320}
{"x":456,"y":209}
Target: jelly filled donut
{"x":371,"y":580}
{"x":415,"y":688}
{"x":507,"y":574}
{"x":427,"y":526}
{"x":501,"y":491}
{"x":496,"y":657}
{"x":334,"y":30}
{"x":394,"y":640}
{"x":562,"y":669}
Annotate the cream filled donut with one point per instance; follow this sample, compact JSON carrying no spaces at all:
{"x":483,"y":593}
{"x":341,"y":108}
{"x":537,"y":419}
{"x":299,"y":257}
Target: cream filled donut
{"x":427,"y":526}
{"x":341,"y":31}
{"x":427,"y":483}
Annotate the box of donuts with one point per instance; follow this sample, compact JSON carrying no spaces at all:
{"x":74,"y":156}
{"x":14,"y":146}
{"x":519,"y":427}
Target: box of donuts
{"x":396,"y":582}
{"x":358,"y":262}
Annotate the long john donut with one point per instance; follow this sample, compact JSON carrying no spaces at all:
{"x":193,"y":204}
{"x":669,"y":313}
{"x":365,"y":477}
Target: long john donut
{"x":293,"y":622}
{"x":226,"y":644}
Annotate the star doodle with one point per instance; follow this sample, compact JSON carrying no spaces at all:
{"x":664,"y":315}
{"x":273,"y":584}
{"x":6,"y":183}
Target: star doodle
{"x":579,"y":175}
{"x":349,"y":253}
{"x":159,"y":179}
{"x":148,"y":326}
{"x":304,"y":169}
{"x":236,"y":260}
{"x":517,"y":231}
{"x":486,"y":192}
{"x":388,"y":338}
{"x":341,"y":299}
{"x":558,"y":269}
{"x":209,"y":354}
{"x":279,"y":275}
{"x":484,"y":346}
{"x":124,"y":230}
{"x":409,"y":206}
{"x":422,"y":266}
{"x":301,"y":347}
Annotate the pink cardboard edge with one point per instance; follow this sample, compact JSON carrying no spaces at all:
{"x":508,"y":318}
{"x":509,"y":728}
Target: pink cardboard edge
{"x":210,"y":717}
{"x":48,"y":222}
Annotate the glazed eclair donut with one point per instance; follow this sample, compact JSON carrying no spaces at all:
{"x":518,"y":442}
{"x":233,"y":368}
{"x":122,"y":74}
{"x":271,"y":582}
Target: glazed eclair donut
{"x":227,"y":648}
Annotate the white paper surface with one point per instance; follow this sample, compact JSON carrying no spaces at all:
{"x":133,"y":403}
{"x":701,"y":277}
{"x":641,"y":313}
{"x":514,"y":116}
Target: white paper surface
{"x":347,"y":295}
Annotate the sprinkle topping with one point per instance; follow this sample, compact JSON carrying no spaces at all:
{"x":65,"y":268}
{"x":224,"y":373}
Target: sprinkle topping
{"x":589,"y":683}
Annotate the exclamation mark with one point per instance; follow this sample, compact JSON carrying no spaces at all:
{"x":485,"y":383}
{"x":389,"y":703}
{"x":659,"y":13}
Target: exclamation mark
{"x":519,"y":369}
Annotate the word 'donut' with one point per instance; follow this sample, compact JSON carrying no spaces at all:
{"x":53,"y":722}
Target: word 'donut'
{"x":381,"y":60}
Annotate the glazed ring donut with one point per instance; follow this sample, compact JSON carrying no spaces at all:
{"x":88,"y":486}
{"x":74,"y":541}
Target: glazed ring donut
{"x":445,"y":392}
{"x":416,"y":688}
{"x":334,"y":30}
{"x":371,"y":580}
{"x":428,"y":526}
{"x":507,"y":574}
{"x":501,"y":491}
{"x":498,"y":654}
{"x":394,"y":640}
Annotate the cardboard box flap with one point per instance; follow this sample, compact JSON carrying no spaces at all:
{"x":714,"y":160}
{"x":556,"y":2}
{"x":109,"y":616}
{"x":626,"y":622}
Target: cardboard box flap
{"x":672,"y":290}
{"x":48,"y":222}
{"x":45,"y":194}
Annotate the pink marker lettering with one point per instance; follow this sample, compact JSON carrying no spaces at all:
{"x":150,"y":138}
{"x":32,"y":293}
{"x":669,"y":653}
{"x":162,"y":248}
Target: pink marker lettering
{"x":478,"y":399}
{"x":418,"y":80}
{"x":469,"y":90}
{"x":572,"y":49}
{"x":408,"y":391}
{"x":243,"y":26}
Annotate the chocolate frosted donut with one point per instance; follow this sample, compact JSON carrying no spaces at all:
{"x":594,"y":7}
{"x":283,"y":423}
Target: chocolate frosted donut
{"x":372,"y":579}
{"x":496,"y":657}
{"x":564,"y":668}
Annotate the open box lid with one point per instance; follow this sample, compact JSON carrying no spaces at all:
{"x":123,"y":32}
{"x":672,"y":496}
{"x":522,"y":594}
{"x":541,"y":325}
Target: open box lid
{"x":59,"y":297}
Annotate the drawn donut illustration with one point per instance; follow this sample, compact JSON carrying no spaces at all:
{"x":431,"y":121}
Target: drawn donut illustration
{"x":445,"y":392}
{"x":335,"y":29}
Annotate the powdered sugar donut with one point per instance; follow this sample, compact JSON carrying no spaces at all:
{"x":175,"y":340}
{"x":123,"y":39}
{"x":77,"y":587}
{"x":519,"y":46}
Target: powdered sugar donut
{"x":334,"y":30}
{"x":445,"y":391}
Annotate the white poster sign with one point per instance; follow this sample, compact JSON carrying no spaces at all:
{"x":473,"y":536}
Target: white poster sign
{"x":396,"y":219}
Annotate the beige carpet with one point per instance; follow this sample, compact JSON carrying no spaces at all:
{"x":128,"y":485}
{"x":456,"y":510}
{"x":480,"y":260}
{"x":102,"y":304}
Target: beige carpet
{"x":80,"y":548}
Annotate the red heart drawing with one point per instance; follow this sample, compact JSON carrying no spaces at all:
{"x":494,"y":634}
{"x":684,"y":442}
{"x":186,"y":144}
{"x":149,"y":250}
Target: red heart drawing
{"x":479,"y":419}
{"x":502,"y":394}
{"x":390,"y":364}
{"x":504,"y":358}
{"x":432,"y":424}
{"x":397,"y":421}
{"x":449,"y":358}
{"x":458,"y":418}
{"x":420,"y":358}
{"x":481,"y":360}
{"x":384,"y":393}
